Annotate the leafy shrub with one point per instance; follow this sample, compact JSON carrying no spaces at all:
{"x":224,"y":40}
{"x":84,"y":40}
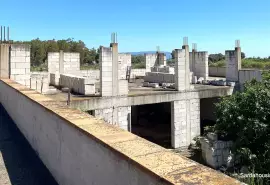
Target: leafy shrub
{"x":245,"y":119}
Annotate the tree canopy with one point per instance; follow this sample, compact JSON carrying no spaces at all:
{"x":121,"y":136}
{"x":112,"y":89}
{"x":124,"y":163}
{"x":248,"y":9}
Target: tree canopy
{"x":40,"y":49}
{"x":245,"y":118}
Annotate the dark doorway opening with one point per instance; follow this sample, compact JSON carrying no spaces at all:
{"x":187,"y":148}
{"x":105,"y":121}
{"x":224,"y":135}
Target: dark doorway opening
{"x":207,"y":112}
{"x":153,"y":122}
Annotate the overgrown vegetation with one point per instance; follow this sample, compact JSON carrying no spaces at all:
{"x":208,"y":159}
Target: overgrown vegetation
{"x":218,"y":60}
{"x":245,"y":119}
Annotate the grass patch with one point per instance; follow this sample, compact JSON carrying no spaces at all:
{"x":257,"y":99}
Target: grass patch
{"x":90,"y":67}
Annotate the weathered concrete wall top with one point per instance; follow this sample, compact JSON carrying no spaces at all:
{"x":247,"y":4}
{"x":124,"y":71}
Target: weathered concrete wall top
{"x":80,"y":149}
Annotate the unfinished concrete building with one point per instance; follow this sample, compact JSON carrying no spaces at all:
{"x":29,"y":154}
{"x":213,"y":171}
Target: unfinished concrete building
{"x":71,"y":142}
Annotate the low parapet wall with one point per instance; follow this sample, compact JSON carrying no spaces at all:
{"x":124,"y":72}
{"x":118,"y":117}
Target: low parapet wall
{"x":217,"y":71}
{"x":79,"y":149}
{"x":77,"y":84}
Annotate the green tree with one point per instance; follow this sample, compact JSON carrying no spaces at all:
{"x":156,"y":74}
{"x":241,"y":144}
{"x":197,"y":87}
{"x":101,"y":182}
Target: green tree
{"x":135,"y":59}
{"x":216,"y":57}
{"x":245,"y":118}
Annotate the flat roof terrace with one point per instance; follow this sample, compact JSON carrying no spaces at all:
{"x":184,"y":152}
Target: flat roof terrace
{"x":143,"y":95}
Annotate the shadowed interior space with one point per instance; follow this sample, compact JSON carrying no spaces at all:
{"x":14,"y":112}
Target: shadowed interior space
{"x":207,"y":111}
{"x":19,"y":164}
{"x":153,"y":122}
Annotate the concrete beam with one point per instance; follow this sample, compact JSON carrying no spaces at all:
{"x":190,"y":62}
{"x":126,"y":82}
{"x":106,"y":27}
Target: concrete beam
{"x":125,"y":101}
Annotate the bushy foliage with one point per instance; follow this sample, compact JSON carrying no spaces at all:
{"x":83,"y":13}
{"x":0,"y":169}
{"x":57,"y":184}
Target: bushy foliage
{"x":137,"y":61}
{"x":245,"y":118}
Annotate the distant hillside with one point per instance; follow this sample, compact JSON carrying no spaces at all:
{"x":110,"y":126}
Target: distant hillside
{"x":168,"y":54}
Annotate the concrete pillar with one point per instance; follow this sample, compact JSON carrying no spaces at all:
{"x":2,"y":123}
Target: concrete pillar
{"x":20,"y":63}
{"x":4,"y":61}
{"x":192,"y":61}
{"x":180,"y":70}
{"x":233,"y":64}
{"x":185,"y":122}
{"x":106,"y":74}
{"x":61,"y":62}
{"x":115,"y":76}
{"x":151,"y":60}
{"x":161,"y":59}
{"x":187,"y":68}
{"x":200,"y":64}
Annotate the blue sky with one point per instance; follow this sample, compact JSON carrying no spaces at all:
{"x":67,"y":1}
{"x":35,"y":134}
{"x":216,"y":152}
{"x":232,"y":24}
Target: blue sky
{"x":144,"y":24}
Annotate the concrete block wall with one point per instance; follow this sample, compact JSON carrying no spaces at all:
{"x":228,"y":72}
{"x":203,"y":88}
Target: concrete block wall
{"x":217,"y":71}
{"x":70,"y":152}
{"x":123,"y":87}
{"x":137,"y":72}
{"x":53,"y":62}
{"x":108,"y":69}
{"x":77,"y":84}
{"x":105,"y":60}
{"x":162,"y":60}
{"x":124,"y":61}
{"x":150,"y":61}
{"x":248,"y":75}
{"x":158,"y":77}
{"x":116,"y":116}
{"x":20,"y":63}
{"x":200,"y":65}
{"x":39,"y":84}
{"x":185,"y":122}
{"x":233,"y":64}
{"x":67,"y":63}
{"x":217,"y":153}
{"x":92,"y":74}
{"x":95,"y":74}
{"x":163,"y":69}
{"x":72,"y":63}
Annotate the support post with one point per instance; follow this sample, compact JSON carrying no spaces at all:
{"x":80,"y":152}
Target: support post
{"x":68,"y":100}
{"x":115,"y":78}
{"x":61,"y":62}
{"x":187,"y":68}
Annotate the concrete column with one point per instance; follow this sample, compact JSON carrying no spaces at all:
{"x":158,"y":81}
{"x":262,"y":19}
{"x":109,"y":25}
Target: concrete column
{"x":20,"y":63}
{"x":185,"y":122}
{"x":123,"y":117}
{"x":61,"y":62}
{"x":192,"y":61}
{"x":161,"y":59}
{"x":4,"y":61}
{"x":187,"y":68}
{"x":151,"y":60}
{"x":233,"y":64}
{"x":200,"y":64}
{"x":115,"y":76}
{"x":106,"y":74}
{"x":181,"y":74}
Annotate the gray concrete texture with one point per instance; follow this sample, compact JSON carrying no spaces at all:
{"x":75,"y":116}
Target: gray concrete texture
{"x":71,"y":155}
{"x":19,"y":164}
{"x":78,"y":149}
{"x":4,"y":61}
{"x":20,"y":63}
